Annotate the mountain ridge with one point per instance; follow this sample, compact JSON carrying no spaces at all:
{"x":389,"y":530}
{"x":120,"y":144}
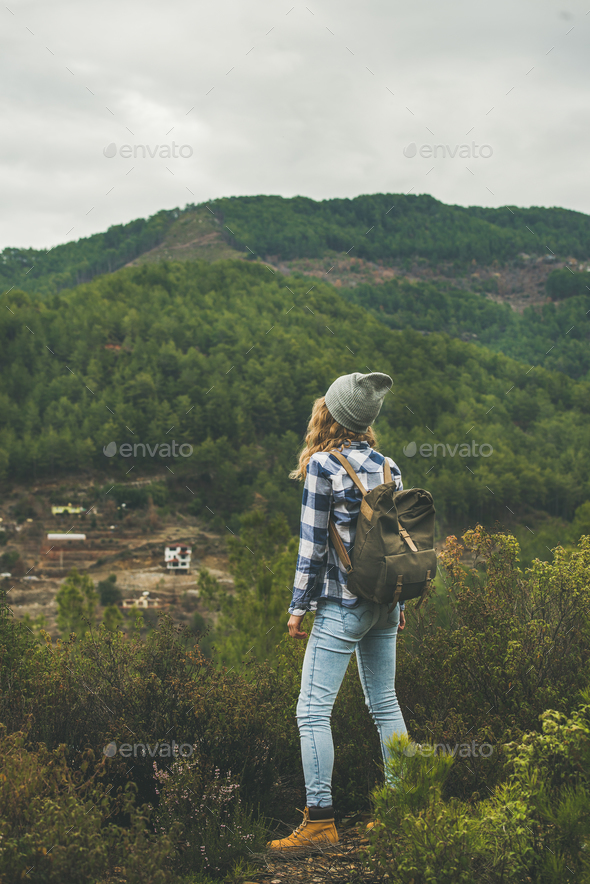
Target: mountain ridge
{"x":400,"y":229}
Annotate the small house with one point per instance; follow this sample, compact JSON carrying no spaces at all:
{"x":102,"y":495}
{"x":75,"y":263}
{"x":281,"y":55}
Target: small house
{"x":177,"y":557}
{"x":143,"y":602}
{"x":73,"y":510}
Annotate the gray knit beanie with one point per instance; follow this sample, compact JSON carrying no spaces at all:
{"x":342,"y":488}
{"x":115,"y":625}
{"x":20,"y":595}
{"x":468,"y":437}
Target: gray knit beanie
{"x":355,"y":400}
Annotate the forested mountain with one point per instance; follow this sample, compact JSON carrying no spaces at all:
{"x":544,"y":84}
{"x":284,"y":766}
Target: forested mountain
{"x":47,"y":271}
{"x":384,"y":227}
{"x":228,"y":357}
{"x":388,"y":226}
{"x":554,"y":335}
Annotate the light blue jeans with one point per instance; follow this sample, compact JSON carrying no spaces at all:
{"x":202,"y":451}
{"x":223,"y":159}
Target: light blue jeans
{"x":371,"y":632}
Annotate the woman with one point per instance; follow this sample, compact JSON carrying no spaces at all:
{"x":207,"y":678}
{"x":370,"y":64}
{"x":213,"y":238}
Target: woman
{"x":343,"y":623}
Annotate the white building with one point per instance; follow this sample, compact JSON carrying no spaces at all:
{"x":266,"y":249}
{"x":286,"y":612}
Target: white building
{"x":143,"y":602}
{"x":178,"y":557}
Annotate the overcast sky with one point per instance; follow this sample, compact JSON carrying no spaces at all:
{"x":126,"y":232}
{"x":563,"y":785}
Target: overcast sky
{"x":263,"y":96}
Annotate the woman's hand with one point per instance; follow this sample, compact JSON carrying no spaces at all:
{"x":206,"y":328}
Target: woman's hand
{"x":402,"y":619}
{"x":293,"y":626}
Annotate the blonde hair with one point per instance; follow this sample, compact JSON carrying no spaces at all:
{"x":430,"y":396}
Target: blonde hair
{"x":323,"y":434}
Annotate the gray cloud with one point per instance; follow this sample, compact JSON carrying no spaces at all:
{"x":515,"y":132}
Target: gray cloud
{"x":308,"y":110}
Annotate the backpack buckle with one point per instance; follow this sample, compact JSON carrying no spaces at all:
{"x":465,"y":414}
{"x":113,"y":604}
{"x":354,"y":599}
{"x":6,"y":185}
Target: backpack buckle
{"x":404,"y":534}
{"x":425,"y":591}
{"x":397,"y":593}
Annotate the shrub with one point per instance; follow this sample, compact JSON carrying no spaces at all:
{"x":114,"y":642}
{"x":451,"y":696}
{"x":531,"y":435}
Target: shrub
{"x":513,"y":645}
{"x":516,"y":640}
{"x":198,"y":623}
{"x":215,"y":829}
{"x":8,"y":559}
{"x":108,"y":592}
{"x":90,"y":692}
{"x":54,"y":821}
{"x":535,"y":827}
{"x":76,"y":600}
{"x":36,"y":625}
{"x":112,"y":618}
{"x":423,"y":839}
{"x":99,"y":688}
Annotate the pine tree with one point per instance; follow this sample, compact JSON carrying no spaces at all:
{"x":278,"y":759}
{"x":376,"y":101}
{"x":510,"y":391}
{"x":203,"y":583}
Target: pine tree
{"x":76,"y":600}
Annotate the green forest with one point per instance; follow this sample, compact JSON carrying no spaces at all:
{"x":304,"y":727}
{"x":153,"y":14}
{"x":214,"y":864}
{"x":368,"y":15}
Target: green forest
{"x":232,"y":356}
{"x":390,"y":226}
{"x":48,"y":271}
{"x":555,"y":335}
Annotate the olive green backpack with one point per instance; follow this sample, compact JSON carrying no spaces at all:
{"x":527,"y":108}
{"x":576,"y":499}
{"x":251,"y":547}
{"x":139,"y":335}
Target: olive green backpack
{"x":393,"y":558}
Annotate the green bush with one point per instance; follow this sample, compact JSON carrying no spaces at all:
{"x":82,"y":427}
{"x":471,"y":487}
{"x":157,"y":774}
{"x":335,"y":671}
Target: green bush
{"x":495,"y":648}
{"x":8,"y":559}
{"x":100,"y":688}
{"x":513,"y":644}
{"x":535,"y":827}
{"x":215,"y":829}
{"x":108,"y":593}
{"x":423,"y":839}
{"x":104,"y":688}
{"x":55,"y":821}
{"x":198,"y":623}
{"x":76,"y":601}
{"x":112,"y":618}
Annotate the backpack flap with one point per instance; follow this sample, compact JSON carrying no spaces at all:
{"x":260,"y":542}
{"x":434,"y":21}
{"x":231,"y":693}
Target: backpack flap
{"x":415,"y":570}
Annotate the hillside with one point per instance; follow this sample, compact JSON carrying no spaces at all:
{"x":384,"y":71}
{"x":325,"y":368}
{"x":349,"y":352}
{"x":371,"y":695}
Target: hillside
{"x":405,"y":233}
{"x":126,"y":541}
{"x":554,"y":334}
{"x":420,"y":264}
{"x":392,"y":226}
{"x":227,"y":358}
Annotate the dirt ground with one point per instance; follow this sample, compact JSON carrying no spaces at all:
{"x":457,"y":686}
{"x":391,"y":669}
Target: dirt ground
{"x":346,"y":865}
{"x":520,"y":283}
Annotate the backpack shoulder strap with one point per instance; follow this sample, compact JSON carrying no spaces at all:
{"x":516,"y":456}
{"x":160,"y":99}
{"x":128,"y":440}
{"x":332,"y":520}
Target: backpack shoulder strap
{"x":387,"y":470}
{"x":340,"y":548}
{"x":337,"y":454}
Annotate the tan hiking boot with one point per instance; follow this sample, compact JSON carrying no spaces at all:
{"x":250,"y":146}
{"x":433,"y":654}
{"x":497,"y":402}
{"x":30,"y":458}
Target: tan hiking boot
{"x":312,"y":835}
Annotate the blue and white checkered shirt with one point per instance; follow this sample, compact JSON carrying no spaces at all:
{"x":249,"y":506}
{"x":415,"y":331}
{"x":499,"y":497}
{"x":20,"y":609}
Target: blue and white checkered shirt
{"x":329,"y":488}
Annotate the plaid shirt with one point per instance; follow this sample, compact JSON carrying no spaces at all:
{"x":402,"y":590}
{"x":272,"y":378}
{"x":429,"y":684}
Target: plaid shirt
{"x":329,"y":489}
